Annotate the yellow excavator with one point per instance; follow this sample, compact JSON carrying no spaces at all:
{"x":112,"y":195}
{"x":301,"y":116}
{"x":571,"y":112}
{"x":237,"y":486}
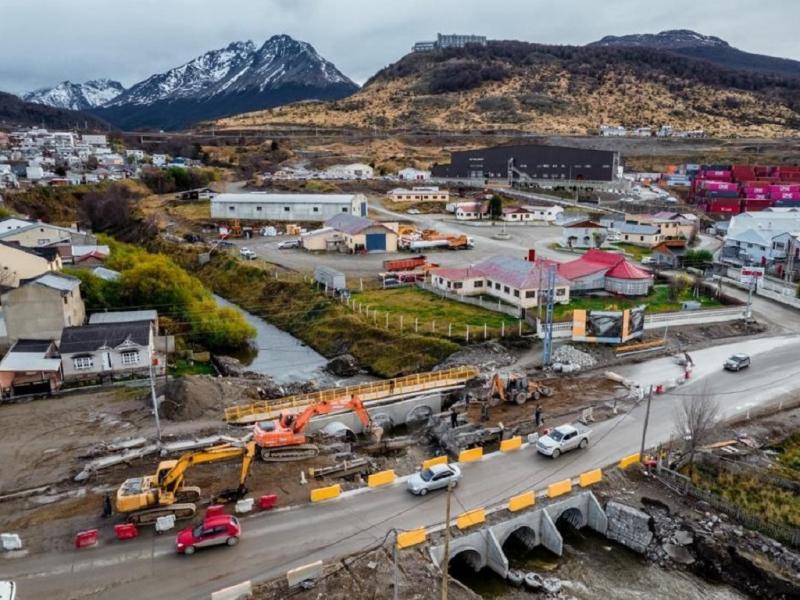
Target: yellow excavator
{"x":145,"y":499}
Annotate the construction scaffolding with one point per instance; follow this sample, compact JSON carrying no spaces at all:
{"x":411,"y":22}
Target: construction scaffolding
{"x":376,"y":391}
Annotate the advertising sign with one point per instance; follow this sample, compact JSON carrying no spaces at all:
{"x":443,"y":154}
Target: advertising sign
{"x":608,"y":326}
{"x":751,"y":275}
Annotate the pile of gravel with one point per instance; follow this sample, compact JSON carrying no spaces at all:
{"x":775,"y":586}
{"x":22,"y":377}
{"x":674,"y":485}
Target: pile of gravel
{"x":568,"y":359}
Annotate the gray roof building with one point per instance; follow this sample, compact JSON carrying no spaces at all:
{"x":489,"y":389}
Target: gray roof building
{"x":89,"y":338}
{"x":123,"y":316}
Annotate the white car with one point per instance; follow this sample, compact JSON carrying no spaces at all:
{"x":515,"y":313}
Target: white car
{"x":8,"y":590}
{"x":287,"y":244}
{"x":247,"y":254}
{"x":413,"y":211}
{"x":563,"y":439}
{"x":433,"y":478}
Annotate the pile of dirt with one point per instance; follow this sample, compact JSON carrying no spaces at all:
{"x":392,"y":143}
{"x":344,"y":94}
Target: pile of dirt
{"x":197,"y":396}
{"x":488,"y":356}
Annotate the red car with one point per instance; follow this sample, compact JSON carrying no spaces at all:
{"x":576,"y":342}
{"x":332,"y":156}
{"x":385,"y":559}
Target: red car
{"x":215,"y":530}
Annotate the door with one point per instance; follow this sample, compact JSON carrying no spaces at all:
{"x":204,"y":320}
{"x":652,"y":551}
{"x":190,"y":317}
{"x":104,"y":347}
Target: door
{"x":376,"y":242}
{"x":106,"y":361}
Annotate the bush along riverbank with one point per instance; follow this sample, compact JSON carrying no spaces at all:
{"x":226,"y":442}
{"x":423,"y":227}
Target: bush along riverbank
{"x":321,"y":322}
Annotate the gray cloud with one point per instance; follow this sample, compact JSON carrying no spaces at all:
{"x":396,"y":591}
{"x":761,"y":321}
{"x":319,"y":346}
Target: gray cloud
{"x":46,"y":41}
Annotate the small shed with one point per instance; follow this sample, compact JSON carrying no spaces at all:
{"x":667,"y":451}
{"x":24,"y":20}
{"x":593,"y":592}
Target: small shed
{"x":330,"y":278}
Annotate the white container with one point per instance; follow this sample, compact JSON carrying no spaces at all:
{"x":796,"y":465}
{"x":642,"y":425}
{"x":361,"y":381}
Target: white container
{"x":165,"y":523}
{"x":245,"y":505}
{"x":10,"y":541}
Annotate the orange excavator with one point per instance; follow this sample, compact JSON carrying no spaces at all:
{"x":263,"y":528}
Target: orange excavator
{"x":516,"y":388}
{"x":282,"y":439}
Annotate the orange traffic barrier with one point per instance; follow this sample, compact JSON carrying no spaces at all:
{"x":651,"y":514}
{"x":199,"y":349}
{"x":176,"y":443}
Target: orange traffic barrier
{"x":326,"y":493}
{"x":470,"y":455}
{"x":521,"y":501}
{"x":406,"y":539}
{"x":511,"y":444}
{"x":559,"y":488}
{"x":436,"y":460}
{"x":590,"y":477}
{"x":473,"y":517}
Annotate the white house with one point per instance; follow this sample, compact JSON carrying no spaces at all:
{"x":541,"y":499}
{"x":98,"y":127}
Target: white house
{"x":94,"y":139}
{"x":34,"y":173}
{"x":260,"y":206}
{"x":583,"y":234}
{"x":752,"y":236}
{"x":411,"y":174}
{"x":471,"y":211}
{"x":159,"y":160}
{"x":513,"y":280}
{"x":352,"y":171}
{"x":546,"y":213}
{"x":419,"y":194}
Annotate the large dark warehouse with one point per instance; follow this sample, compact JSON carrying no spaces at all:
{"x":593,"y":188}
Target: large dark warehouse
{"x":530,"y":161}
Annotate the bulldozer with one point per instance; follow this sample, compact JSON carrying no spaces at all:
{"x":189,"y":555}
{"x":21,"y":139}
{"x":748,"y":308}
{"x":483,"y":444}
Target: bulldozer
{"x":282,"y":439}
{"x":516,"y":388}
{"x":145,"y":499}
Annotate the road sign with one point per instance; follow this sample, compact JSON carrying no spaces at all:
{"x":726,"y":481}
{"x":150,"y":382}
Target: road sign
{"x":751,"y":275}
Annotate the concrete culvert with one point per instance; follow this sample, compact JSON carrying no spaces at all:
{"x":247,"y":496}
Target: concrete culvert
{"x":419,"y":415}
{"x":574,"y":517}
{"x":466,"y":557}
{"x":383,"y":421}
{"x":524,"y":536}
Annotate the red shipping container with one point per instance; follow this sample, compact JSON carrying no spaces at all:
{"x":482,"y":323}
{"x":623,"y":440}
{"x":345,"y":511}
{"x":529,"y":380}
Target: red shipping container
{"x":750,"y":195}
{"x":785,"y":195}
{"x":719,"y":186}
{"x":85,"y":539}
{"x":267,"y":502}
{"x":126,"y":531}
{"x":785,"y":187}
{"x":756,"y":205}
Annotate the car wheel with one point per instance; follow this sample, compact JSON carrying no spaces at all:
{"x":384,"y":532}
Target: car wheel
{"x":584,"y":443}
{"x":556,"y":453}
{"x":189,"y":550}
{"x":423,"y":491}
{"x":232,"y":541}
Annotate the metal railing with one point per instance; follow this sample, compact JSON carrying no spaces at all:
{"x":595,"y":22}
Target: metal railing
{"x":376,"y":390}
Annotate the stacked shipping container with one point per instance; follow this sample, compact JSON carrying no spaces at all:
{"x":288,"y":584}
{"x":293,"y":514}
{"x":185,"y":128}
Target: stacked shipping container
{"x":729,"y":190}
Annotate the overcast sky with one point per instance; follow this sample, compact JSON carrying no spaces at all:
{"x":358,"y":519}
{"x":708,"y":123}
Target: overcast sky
{"x":46,"y":41}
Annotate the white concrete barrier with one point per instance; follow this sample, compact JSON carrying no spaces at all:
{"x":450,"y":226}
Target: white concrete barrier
{"x":300,"y":574}
{"x":235,"y":592}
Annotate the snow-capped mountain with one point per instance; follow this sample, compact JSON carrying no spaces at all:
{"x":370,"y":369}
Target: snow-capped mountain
{"x":685,"y":42}
{"x":238,"y":78}
{"x":672,"y":39}
{"x":77,"y":96}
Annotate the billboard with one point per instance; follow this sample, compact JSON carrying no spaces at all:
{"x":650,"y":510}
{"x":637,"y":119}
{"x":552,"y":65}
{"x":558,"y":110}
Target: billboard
{"x":608,"y":326}
{"x":751,"y":275}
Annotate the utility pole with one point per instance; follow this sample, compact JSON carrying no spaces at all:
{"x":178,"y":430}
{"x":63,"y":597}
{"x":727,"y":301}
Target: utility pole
{"x":153,"y":397}
{"x":394,"y":560}
{"x":446,"y":564}
{"x":646,"y":419}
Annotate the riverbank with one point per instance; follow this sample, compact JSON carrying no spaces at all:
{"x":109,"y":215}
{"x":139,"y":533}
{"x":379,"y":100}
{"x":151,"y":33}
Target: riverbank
{"x":324,"y":324}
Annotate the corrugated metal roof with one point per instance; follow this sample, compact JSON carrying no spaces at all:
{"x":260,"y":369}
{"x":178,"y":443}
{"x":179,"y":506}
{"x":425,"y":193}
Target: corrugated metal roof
{"x":57,"y":281}
{"x":507,"y":270}
{"x":123,"y":316}
{"x":81,"y":250}
{"x":29,"y":361}
{"x":259,"y":198}
{"x":106,"y":274}
{"x":631,"y":228}
{"x":351,"y":224}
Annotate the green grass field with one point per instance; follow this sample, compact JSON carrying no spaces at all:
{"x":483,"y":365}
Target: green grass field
{"x":637,"y":252}
{"x":658,"y":301}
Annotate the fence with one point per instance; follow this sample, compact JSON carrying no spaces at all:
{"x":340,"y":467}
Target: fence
{"x":563,"y":329}
{"x":683,"y":485}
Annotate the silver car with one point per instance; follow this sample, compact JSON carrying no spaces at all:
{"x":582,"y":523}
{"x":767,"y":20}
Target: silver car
{"x":433,"y":478}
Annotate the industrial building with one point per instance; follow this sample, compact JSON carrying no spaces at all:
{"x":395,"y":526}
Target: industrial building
{"x":531,"y":162}
{"x":258,"y":206}
{"x":352,"y":234}
{"x":450,"y":40}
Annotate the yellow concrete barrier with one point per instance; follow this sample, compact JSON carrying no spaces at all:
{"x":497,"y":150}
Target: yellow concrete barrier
{"x":470,"y":455}
{"x":511,"y":444}
{"x":381,"y":478}
{"x":473,"y":517}
{"x":590,"y":477}
{"x":629,"y":460}
{"x":559,"y":488}
{"x":406,"y":539}
{"x":436,"y":460}
{"x":326,"y":493}
{"x":522,"y":501}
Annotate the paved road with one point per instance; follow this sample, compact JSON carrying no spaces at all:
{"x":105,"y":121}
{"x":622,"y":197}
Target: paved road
{"x":274,"y":542}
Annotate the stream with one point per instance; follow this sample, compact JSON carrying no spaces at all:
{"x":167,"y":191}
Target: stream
{"x":279,"y":354}
{"x":592,"y":568}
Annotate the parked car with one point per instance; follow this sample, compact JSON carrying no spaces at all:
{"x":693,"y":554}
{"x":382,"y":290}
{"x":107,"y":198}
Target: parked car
{"x":287,"y":244}
{"x":226,"y":244}
{"x":737,"y":362}
{"x":433,"y":478}
{"x":247,"y":254}
{"x":217,"y":530}
{"x":563,"y":439}
{"x":648,"y":260}
{"x":413,"y":211}
{"x":8,"y":590}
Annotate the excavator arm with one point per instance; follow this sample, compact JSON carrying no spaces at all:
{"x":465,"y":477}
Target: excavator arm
{"x":170,"y":480}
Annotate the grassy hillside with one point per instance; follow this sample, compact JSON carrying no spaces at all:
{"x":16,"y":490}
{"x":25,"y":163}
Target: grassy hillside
{"x":555,"y":90}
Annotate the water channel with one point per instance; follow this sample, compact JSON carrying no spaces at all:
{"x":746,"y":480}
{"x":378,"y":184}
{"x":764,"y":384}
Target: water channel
{"x":279,"y":354}
{"x":592,"y":568}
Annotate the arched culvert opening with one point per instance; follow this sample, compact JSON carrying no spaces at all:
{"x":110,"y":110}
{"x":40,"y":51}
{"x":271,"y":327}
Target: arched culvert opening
{"x":520,"y":541}
{"x":384,"y":421}
{"x":419,"y":415}
{"x":466,"y":559}
{"x":572,"y":517}
{"x":465,"y":567}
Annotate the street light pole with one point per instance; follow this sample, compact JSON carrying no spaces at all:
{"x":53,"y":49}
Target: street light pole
{"x":394,"y":560}
{"x":646,"y":419}
{"x":446,"y":564}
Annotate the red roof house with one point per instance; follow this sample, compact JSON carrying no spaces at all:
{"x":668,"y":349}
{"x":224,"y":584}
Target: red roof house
{"x":599,"y":270}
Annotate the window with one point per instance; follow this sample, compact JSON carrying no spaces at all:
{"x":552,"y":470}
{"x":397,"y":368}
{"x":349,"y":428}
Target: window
{"x":344,"y":209}
{"x":286,"y":209}
{"x":458,"y":285}
{"x":530,"y":294}
{"x":506,"y":289}
{"x":561,"y":291}
{"x":130,"y":357}
{"x":316,"y":209}
{"x":496,"y":286}
{"x":231,"y":208}
{"x":516,"y":293}
{"x":258,"y":209}
{"x":477,"y":284}
{"x":81,"y":363}
{"x":641,"y":238}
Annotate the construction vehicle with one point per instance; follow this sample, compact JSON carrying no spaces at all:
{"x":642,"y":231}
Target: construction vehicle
{"x":145,"y":499}
{"x":516,"y":388}
{"x":282,"y":439}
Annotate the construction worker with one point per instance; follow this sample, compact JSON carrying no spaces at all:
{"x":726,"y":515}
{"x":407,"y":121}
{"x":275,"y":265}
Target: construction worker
{"x":106,"y":506}
{"x":689,"y":361}
{"x":453,"y":417}
{"x":537,"y":415}
{"x":485,"y":412}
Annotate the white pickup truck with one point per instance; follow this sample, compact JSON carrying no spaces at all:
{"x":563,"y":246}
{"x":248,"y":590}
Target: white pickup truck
{"x":563,"y":439}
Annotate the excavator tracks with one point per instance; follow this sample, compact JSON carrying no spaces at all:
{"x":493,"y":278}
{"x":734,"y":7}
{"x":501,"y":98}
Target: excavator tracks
{"x":289,"y":453}
{"x":150,"y":516}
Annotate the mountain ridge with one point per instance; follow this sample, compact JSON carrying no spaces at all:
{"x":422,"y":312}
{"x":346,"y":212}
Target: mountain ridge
{"x":76,"y":96}
{"x":16,"y":112}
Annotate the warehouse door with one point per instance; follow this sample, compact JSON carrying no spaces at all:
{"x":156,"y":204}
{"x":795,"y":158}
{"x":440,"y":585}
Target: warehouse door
{"x":376,"y":242}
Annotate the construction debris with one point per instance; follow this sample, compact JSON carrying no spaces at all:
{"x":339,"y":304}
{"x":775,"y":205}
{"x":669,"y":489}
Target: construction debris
{"x":343,"y":469}
{"x":570,"y":359}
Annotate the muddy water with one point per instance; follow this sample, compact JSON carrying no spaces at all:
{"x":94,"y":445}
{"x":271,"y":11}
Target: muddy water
{"x":277,"y":353}
{"x":593,"y":568}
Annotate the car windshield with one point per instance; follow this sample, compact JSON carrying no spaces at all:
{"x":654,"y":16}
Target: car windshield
{"x":556,"y":435}
{"x":426,"y":474}
{"x":197,"y":531}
